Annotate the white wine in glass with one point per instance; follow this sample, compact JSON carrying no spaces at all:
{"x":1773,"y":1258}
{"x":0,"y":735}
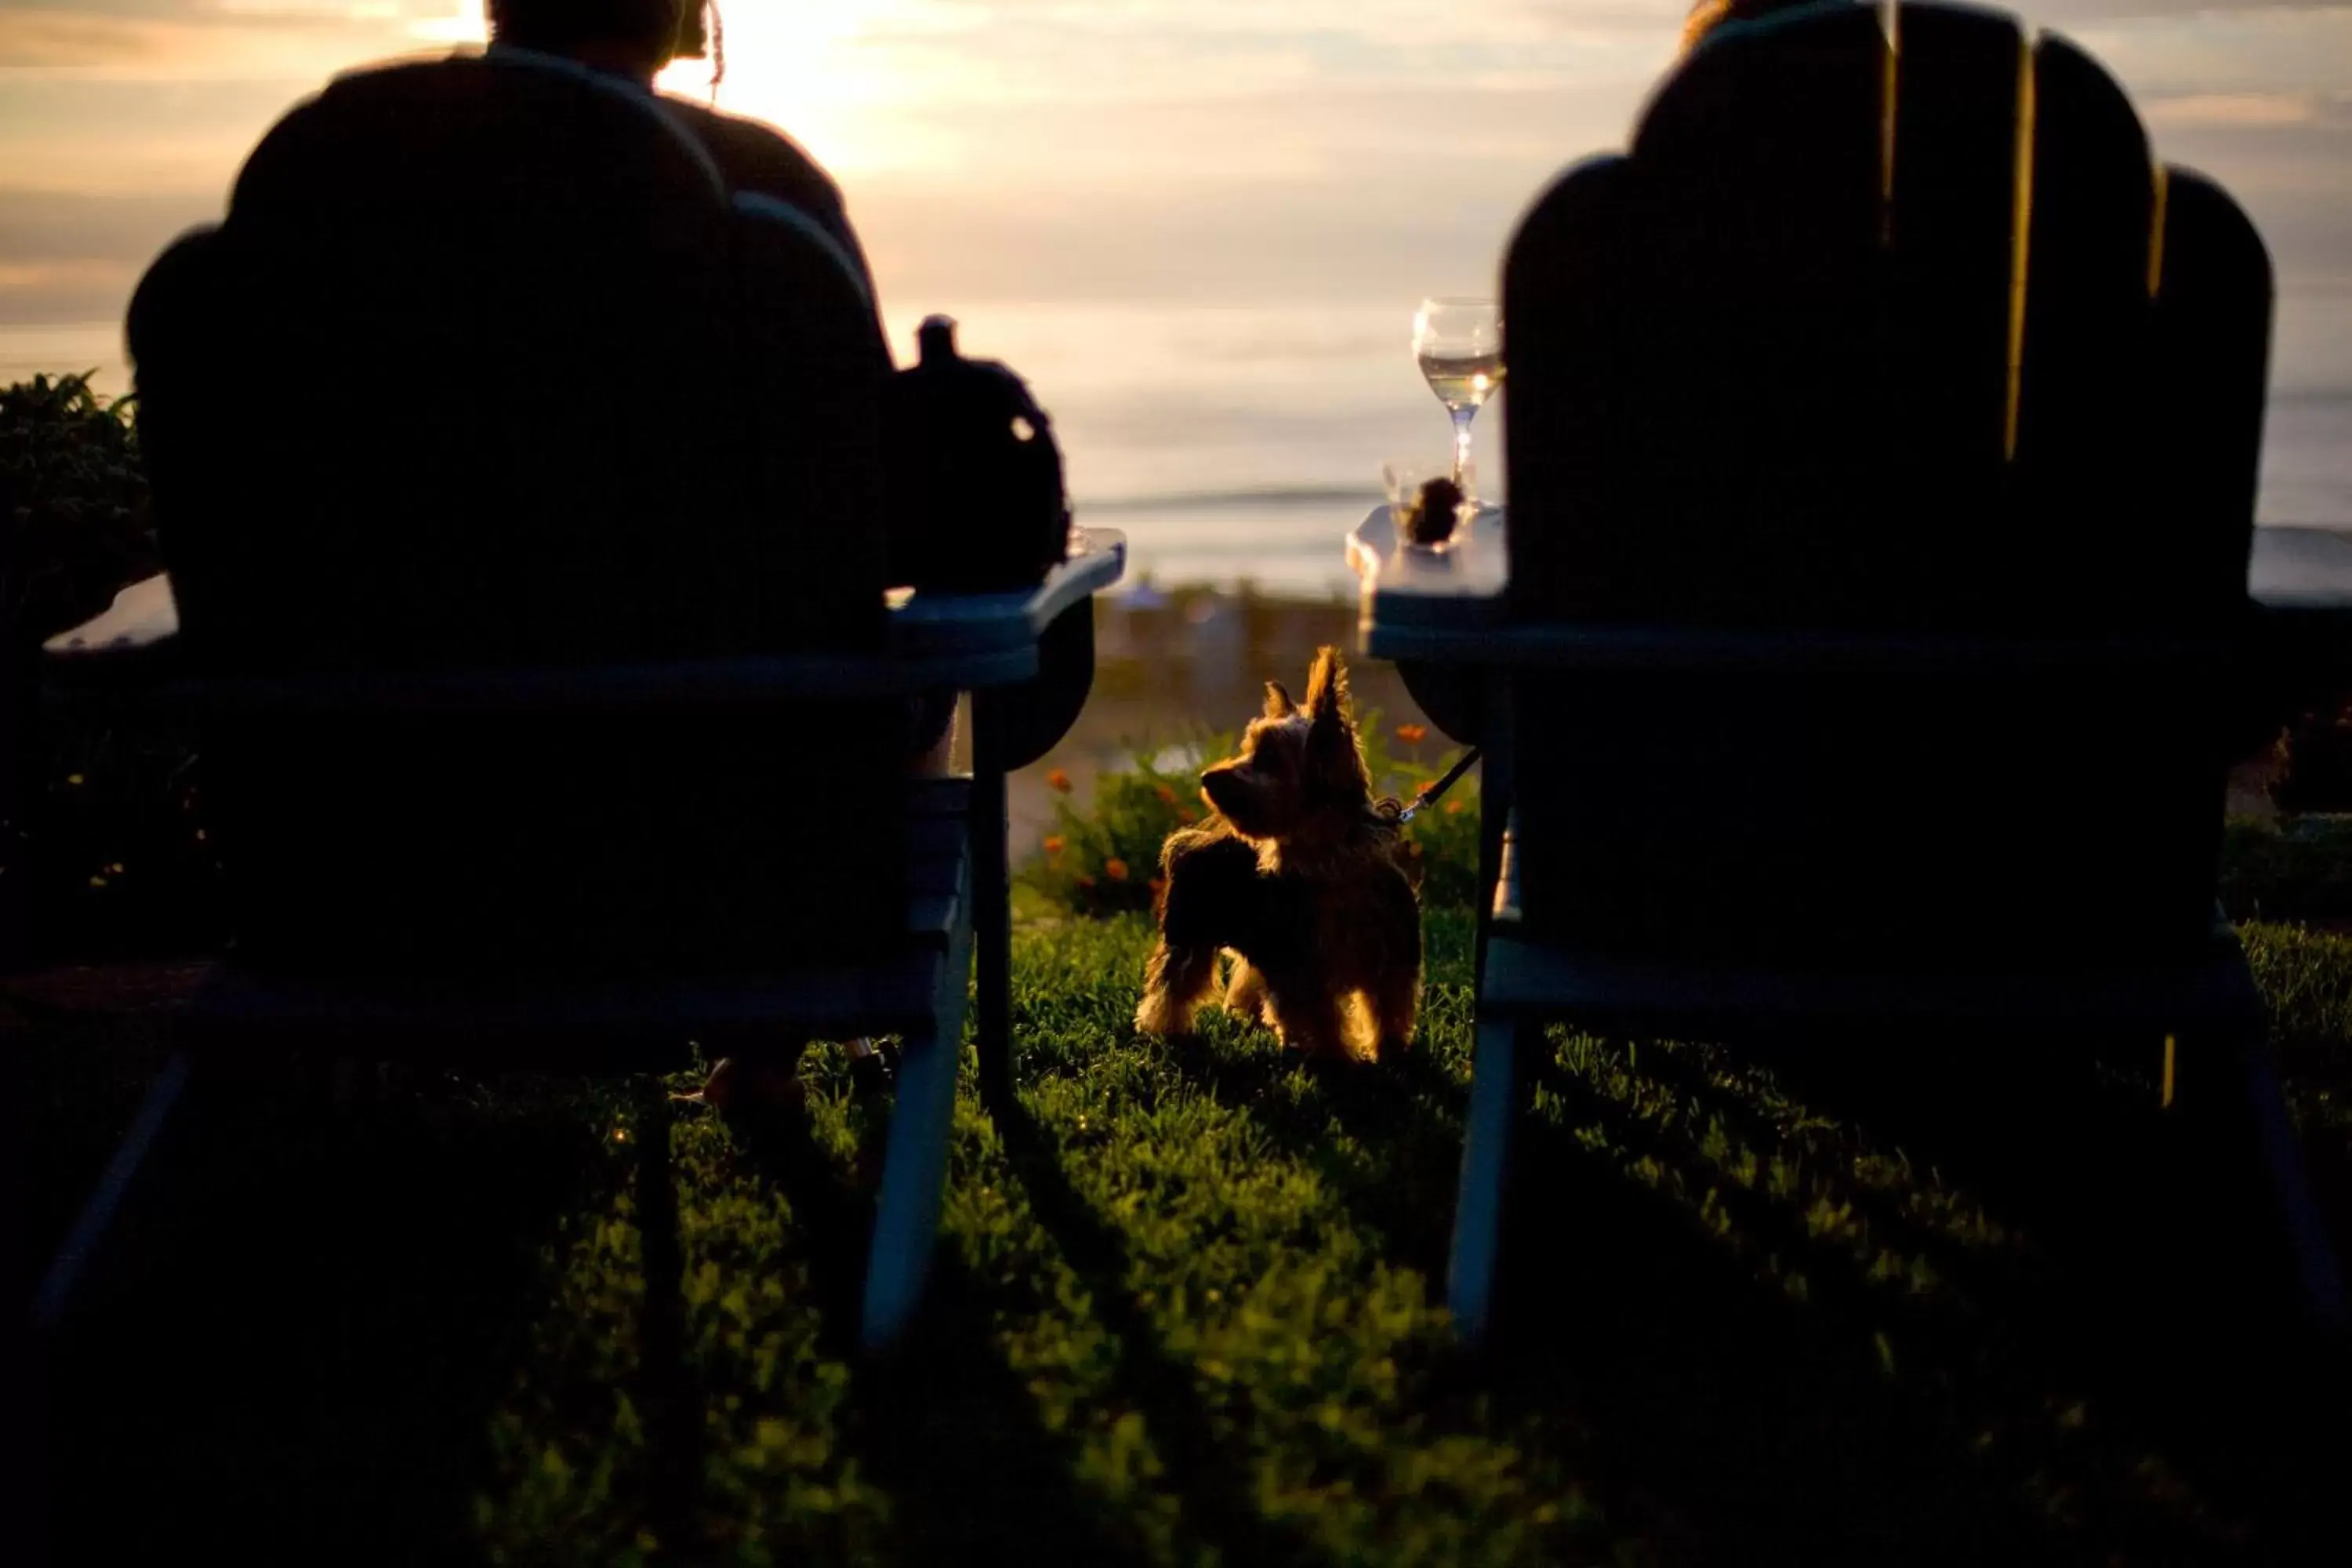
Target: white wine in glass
{"x":1459,"y":344}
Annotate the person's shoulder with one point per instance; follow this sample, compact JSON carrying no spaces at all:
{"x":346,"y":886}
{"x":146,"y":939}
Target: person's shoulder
{"x":754,"y":156}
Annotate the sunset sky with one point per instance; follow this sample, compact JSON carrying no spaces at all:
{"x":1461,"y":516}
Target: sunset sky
{"x":1172,"y":150}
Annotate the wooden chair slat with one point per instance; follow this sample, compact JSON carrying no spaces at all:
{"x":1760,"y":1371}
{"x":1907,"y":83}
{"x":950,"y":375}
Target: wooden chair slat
{"x":2084,"y":471}
{"x":1945,"y":295}
{"x":2213,"y":329}
{"x":567,"y":1027}
{"x":1753,"y":420}
{"x":1568,"y":437}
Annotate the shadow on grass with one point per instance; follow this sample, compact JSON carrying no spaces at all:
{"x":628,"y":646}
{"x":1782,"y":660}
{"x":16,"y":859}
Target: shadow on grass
{"x":1816,"y":1362}
{"x":665,"y":1391}
{"x":1405,"y":1118}
{"x":1213,"y":1473}
{"x":943,"y":1424}
{"x":2035,"y":1404}
{"x":1729,"y":1411}
{"x":292,"y":1342}
{"x":2145,"y":1302}
{"x":1742,"y":1371}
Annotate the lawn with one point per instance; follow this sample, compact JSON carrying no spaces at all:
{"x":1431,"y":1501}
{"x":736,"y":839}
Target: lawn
{"x":1185,"y":1311}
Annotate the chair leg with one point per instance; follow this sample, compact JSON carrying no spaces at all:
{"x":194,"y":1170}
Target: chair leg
{"x":1488,"y":1136}
{"x":105,"y":1201}
{"x":914,"y":1169}
{"x":2246,"y":1171}
{"x":914,"y":1172}
{"x":991,"y":894}
{"x":1495,"y":771}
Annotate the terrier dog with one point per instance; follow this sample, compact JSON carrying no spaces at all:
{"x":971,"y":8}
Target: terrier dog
{"x":1303,"y":876}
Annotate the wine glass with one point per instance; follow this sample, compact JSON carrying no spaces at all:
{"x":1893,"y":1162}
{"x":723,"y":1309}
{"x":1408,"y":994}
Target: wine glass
{"x":1459,"y":344}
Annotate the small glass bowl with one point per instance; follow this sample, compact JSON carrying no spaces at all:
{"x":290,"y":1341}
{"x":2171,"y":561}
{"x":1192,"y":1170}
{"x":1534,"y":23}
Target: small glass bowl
{"x":1408,"y":484}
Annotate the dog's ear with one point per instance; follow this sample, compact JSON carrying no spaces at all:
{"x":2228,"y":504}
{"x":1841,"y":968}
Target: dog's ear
{"x":1327,"y":688}
{"x":1335,"y":764}
{"x":1278,"y":704}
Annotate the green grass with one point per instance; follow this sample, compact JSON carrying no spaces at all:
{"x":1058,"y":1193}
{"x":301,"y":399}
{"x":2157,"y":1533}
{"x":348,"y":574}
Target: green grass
{"x":1187,"y":1314}
{"x":1185,"y":1311}
{"x":1165,"y":1301}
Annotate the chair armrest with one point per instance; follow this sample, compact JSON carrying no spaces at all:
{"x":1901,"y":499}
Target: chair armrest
{"x":1017,"y":720}
{"x":133,"y":645}
{"x":932,"y":641}
{"x":1023,"y":722}
{"x":981,"y":624}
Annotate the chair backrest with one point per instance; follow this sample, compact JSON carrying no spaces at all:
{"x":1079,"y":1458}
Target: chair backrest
{"x":485,"y":369}
{"x":1886,"y":324}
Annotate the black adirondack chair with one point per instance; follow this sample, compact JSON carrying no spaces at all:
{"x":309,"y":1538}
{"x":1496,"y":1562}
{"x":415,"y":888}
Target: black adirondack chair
{"x":520,"y":495}
{"x":1883,"y":429}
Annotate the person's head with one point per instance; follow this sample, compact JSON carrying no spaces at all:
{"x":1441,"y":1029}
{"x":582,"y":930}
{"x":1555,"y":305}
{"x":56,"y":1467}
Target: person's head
{"x":633,"y":37}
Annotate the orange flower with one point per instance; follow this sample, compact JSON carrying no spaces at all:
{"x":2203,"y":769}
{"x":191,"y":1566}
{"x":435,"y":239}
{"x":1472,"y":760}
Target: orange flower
{"x":1087,"y":882}
{"x":1186,"y":814}
{"x":1114,"y":869}
{"x":1054,"y":845}
{"x":1452,"y":806}
{"x":1058,"y":780}
{"x":1413,"y":734}
{"x":1166,"y":794}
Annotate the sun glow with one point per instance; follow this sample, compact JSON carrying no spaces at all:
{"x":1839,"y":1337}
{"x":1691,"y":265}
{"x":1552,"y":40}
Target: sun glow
{"x":827,"y":74}
{"x":466,"y":23}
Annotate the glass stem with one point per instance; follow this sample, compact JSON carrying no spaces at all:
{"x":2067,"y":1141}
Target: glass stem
{"x":1462,"y":417}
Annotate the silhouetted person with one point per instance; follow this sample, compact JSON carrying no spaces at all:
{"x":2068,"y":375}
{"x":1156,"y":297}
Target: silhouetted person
{"x":632,"y":40}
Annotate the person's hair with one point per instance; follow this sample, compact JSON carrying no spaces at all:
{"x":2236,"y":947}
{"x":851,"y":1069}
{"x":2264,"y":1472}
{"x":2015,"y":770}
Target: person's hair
{"x":663,"y":29}
{"x":1709,"y":15}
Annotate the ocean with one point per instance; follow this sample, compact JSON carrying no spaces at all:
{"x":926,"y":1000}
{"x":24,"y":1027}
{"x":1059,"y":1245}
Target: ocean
{"x":1238,"y":445}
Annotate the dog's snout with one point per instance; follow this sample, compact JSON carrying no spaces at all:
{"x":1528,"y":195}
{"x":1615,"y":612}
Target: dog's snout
{"x":1221,"y":786}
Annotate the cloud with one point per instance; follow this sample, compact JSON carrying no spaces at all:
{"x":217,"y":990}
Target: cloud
{"x":1090,"y":148}
{"x":2057,"y":12}
{"x":73,"y":257}
{"x":2245,"y":109}
{"x":159,"y":40}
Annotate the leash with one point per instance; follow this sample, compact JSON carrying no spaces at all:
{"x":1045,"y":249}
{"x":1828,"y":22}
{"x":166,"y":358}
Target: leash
{"x":1429,"y":792}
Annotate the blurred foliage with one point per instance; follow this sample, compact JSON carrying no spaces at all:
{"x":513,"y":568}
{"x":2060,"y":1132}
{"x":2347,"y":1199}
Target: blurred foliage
{"x":1103,"y":858}
{"x":73,"y":506}
{"x":2310,"y":765}
{"x":2295,"y":869}
{"x":105,"y":829}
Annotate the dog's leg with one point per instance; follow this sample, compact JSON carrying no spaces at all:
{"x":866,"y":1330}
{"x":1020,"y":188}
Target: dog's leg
{"x":1309,"y":1018}
{"x":1176,"y":980}
{"x":1245,"y":996}
{"x":1396,"y":1001}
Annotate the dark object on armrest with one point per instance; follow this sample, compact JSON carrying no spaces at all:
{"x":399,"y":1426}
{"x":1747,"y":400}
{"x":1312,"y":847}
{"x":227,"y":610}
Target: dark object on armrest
{"x":976,"y":498}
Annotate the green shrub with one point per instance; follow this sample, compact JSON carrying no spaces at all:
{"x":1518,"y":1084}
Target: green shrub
{"x":1404,"y":758}
{"x":2298,"y":869}
{"x":1103,"y":858}
{"x":2306,"y":979}
{"x":2311,"y":763}
{"x":74,"y":523}
{"x":103,"y":838}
